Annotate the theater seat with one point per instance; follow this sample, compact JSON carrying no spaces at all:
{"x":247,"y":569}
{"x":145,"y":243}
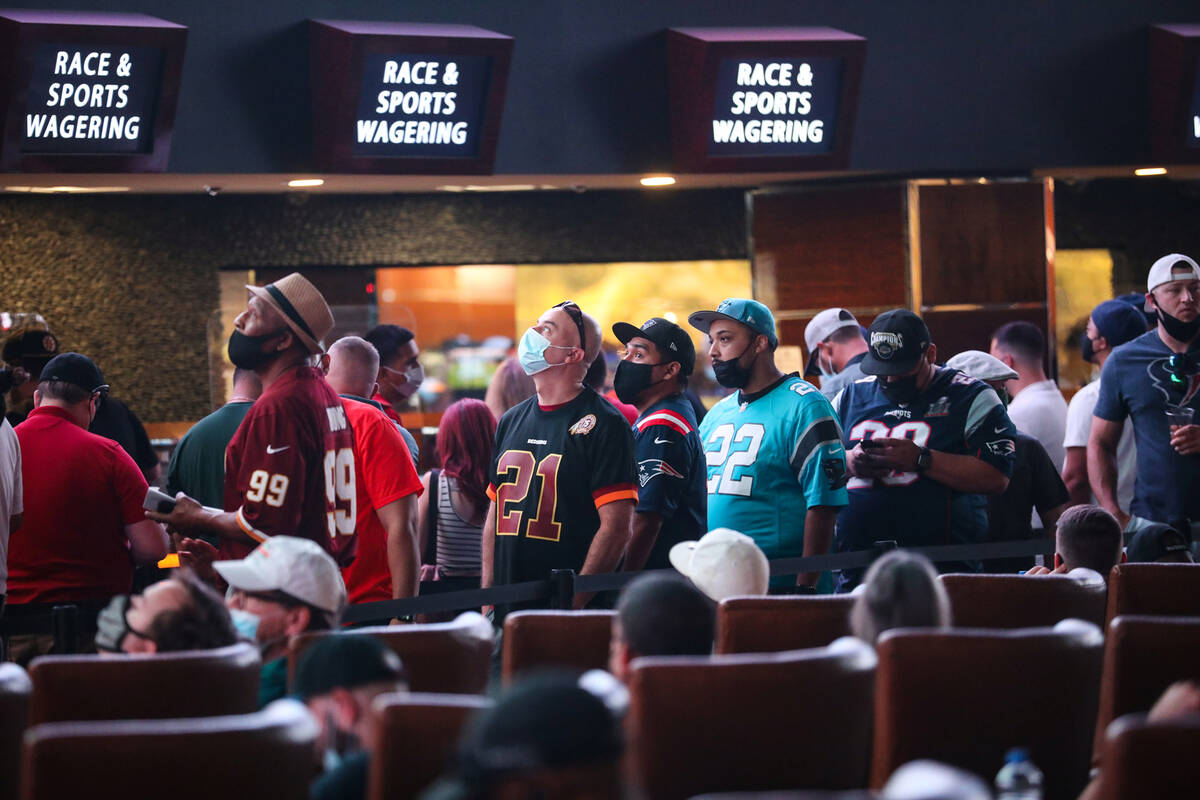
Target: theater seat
{"x":774,"y":624}
{"x":965,"y":696}
{"x":1022,"y":601}
{"x":1145,"y":759}
{"x":266,"y":754}
{"x":15,"y":688}
{"x":451,"y":657}
{"x":575,"y":640}
{"x":418,"y":734}
{"x":192,"y":683}
{"x":1144,"y":655}
{"x":795,"y":720}
{"x":1160,"y":589}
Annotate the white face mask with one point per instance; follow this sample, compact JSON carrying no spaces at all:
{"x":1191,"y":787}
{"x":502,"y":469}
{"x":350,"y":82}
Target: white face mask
{"x":414,"y":376}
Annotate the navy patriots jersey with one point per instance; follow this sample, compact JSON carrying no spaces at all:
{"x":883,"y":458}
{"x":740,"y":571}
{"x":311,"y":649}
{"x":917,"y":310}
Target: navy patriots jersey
{"x":671,"y":474}
{"x":955,"y":414}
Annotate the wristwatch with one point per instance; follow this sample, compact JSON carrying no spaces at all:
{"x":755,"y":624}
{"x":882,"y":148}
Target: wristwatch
{"x":924,"y":459}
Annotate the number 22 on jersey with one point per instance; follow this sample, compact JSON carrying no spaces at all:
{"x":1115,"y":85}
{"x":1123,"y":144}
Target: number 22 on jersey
{"x":541,"y":525}
{"x":728,"y":459}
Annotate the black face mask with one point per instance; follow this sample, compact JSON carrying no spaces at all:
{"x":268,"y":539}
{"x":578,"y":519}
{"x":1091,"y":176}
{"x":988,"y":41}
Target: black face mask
{"x":247,"y":351}
{"x":1087,"y":348}
{"x":112,"y":627}
{"x":730,"y":373}
{"x":901,"y":391}
{"x":631,"y":379}
{"x":1178,"y":329}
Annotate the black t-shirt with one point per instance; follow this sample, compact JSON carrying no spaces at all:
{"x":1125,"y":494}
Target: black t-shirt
{"x":115,"y":420}
{"x":552,"y":469}
{"x":1035,"y":483}
{"x":671,"y":475}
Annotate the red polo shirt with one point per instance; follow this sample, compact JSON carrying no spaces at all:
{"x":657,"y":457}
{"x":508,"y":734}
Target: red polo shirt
{"x":81,"y":490}
{"x":393,"y":415}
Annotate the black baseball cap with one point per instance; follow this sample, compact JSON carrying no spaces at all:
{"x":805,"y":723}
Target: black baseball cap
{"x":1156,"y":541}
{"x":30,"y":349}
{"x":345,"y":661}
{"x":671,"y":340}
{"x":75,"y":369}
{"x":897,"y":341}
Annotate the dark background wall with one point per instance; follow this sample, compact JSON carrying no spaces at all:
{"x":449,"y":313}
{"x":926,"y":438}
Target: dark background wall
{"x":948,"y":84}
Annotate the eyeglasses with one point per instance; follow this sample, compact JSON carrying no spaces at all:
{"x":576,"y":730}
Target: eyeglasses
{"x":1179,"y":367}
{"x":576,"y":316}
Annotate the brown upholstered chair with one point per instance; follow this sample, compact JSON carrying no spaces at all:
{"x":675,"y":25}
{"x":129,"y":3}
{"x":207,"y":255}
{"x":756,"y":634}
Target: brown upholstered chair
{"x":1171,"y":590}
{"x":451,"y":657}
{"x":576,"y":640}
{"x":1144,"y":655}
{"x":774,"y":624}
{"x":1022,"y":601}
{"x":795,"y":720}
{"x":260,"y":755}
{"x":417,"y":735}
{"x":192,"y":683}
{"x":1150,"y":759}
{"x":965,"y":696}
{"x":15,"y":688}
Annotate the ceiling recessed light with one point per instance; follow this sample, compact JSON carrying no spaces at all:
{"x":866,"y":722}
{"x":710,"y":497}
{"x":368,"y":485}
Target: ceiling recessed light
{"x":1146,"y":171}
{"x":66,"y":189}
{"x":304,"y":183}
{"x":658,"y":180}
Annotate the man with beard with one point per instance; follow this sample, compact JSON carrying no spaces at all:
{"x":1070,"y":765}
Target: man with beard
{"x":1154,"y":381}
{"x":289,"y":469}
{"x":776,"y":464}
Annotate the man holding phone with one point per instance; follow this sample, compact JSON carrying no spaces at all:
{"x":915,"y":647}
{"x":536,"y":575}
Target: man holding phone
{"x":922,"y":442}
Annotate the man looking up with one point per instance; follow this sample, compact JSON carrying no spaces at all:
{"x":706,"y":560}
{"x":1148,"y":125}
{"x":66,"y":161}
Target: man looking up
{"x":1151,"y":377}
{"x":290,"y":466}
{"x":776,"y":464}
{"x":387,"y":565}
{"x":1037,"y":408}
{"x":563,"y":482}
{"x":651,"y":376}
{"x":836,"y":348}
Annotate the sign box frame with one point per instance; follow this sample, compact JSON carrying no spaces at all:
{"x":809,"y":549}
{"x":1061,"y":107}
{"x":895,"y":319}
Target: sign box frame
{"x":1174,"y":73}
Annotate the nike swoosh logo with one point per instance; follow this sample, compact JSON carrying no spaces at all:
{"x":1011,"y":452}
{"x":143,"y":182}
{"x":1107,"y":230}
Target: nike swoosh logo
{"x":661,"y":441}
{"x":1001,"y":429}
{"x":273,"y":450}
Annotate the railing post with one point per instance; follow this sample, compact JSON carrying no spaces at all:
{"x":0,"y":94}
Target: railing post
{"x":563,"y":597}
{"x":64,"y":621}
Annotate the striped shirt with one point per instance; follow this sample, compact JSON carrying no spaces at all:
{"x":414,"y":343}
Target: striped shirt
{"x":457,"y":540}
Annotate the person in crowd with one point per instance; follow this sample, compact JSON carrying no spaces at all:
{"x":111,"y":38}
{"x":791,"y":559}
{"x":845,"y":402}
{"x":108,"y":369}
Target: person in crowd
{"x":197,"y":466}
{"x":1037,"y":407}
{"x":1161,"y":544}
{"x":900,"y":590}
{"x":179,"y":613}
{"x":338,"y":678}
{"x":672,"y":498}
{"x":387,"y":565}
{"x":508,"y":387}
{"x":28,"y":350}
{"x":83,"y":525}
{"x":596,"y":379}
{"x":1087,"y":537}
{"x":776,"y":463}
{"x":12,"y":499}
{"x":723,"y":563}
{"x":454,"y":504}
{"x":290,"y":466}
{"x":562,"y":479}
{"x":115,"y":420}
{"x":1144,"y":380}
{"x":547,"y":738}
{"x":836,"y":348}
{"x":659,"y":615}
{"x":286,"y":586}
{"x":1110,"y":325}
{"x":400,"y":370}
{"x":1035,"y":483}
{"x":1138,"y":301}
{"x":926,"y":440}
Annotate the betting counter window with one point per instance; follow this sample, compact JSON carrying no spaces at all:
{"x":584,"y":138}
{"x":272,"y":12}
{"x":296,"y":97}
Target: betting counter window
{"x":467,"y":318}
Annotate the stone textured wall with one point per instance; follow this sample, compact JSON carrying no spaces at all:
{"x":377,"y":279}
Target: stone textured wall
{"x":132,"y":280}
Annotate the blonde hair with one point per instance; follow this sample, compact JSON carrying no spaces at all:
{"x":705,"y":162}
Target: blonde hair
{"x":900,"y":590}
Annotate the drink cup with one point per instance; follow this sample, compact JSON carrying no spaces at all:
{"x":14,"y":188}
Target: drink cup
{"x":1179,"y":415}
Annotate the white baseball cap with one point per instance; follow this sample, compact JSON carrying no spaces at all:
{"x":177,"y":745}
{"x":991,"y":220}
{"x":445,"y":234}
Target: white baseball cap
{"x":981,"y":365}
{"x":724,"y":563}
{"x":820,"y":328}
{"x":1171,"y":268}
{"x":297,"y":567}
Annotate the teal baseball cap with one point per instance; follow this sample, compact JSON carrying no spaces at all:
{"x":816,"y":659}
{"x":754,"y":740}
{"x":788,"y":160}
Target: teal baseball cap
{"x":751,"y":313}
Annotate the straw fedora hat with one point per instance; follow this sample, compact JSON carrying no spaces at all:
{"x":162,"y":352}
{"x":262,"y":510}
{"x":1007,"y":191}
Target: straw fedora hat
{"x":301,"y":306}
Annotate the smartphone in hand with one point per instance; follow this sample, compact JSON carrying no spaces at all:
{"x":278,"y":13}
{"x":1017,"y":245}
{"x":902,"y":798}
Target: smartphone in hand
{"x":159,"y":501}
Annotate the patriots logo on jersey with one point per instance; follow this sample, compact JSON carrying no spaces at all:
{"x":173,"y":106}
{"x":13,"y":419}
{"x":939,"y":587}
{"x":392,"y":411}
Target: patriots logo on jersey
{"x":1002,"y":447}
{"x":1185,"y":380}
{"x":653,"y":467}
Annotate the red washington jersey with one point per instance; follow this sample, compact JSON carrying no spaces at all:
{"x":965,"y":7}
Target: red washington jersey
{"x":289,"y":469}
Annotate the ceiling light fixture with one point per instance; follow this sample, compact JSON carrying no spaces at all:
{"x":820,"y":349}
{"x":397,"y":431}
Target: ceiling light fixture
{"x":658,"y":180}
{"x":1147,"y":171}
{"x":305,"y":183}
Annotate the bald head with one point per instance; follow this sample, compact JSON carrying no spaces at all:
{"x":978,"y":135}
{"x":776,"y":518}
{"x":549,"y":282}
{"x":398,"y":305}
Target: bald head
{"x":353,"y":365}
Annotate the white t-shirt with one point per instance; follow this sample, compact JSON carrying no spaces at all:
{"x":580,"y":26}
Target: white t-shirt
{"x":11,"y":494}
{"x":1079,"y":427}
{"x":1041,"y":412}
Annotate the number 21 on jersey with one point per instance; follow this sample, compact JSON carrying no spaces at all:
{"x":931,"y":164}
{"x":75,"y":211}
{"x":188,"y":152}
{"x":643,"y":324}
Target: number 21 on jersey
{"x":729,"y":457}
{"x":542,"y":524}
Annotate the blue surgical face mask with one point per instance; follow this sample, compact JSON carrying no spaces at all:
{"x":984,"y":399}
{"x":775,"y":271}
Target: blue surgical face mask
{"x":825,"y":373}
{"x":245,"y":623}
{"x":531,"y":351}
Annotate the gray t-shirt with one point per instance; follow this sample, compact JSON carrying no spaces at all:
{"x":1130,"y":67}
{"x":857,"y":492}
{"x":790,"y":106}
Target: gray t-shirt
{"x":835,"y":383}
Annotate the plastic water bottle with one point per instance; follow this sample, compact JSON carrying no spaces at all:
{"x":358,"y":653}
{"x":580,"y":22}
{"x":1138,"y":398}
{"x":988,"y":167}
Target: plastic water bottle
{"x":1019,"y":778}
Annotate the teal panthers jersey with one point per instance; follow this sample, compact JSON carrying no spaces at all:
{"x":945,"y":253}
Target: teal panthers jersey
{"x":770,"y":457}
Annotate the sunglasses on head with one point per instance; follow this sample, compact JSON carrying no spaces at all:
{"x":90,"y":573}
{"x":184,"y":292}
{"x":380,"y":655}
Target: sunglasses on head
{"x":576,"y":316}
